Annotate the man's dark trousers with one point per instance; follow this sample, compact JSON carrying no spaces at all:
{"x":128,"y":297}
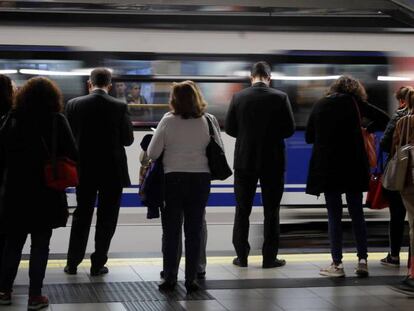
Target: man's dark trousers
{"x":109,"y":200}
{"x":272,"y":186}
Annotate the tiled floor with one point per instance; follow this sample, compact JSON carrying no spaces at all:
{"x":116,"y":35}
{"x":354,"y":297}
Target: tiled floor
{"x":356,"y":297}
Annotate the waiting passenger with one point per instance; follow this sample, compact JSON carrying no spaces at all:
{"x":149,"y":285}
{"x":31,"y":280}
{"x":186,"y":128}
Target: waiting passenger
{"x":135,"y":96}
{"x":7,"y":92}
{"x":260,"y":118}
{"x":102,"y":128}
{"x":120,"y":89}
{"x":339,"y":163}
{"x":407,"y":193}
{"x":182,"y":137}
{"x":25,"y":141}
{"x":202,"y":263}
{"x":397,"y":209}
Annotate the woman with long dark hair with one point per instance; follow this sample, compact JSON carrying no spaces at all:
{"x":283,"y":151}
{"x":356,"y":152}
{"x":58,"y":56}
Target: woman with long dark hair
{"x":405,"y":125}
{"x":397,"y":209}
{"x":6,"y":101}
{"x":339,"y":163}
{"x":28,"y":205}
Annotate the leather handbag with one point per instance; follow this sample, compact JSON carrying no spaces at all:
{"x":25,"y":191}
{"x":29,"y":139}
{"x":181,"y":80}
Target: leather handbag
{"x":217,"y":162}
{"x":60,"y":171}
{"x":375,"y":195}
{"x":369,"y":141}
{"x":396,"y":170}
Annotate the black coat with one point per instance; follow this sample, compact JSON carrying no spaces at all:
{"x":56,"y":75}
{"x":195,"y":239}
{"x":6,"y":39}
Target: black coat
{"x":102,"y":127}
{"x":339,"y":161}
{"x":260,"y":118}
{"x":26,"y":204}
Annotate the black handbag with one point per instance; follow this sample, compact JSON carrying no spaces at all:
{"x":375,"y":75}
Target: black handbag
{"x":217,"y":162}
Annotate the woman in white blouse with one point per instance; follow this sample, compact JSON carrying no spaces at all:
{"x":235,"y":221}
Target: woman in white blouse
{"x":181,"y":138}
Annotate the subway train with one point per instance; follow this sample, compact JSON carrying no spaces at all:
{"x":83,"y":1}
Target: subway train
{"x":148,"y":61}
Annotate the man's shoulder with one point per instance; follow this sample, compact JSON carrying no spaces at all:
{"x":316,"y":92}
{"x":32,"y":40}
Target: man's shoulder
{"x":90,"y":98}
{"x":266,"y":91}
{"x":78,"y":99}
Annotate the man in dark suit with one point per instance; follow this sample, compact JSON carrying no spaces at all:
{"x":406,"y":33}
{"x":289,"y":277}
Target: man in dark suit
{"x":260,"y":118}
{"x":102,"y":127}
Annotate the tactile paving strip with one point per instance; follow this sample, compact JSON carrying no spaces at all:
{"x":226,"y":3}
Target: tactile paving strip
{"x":153,"y":306}
{"x":115,"y":292}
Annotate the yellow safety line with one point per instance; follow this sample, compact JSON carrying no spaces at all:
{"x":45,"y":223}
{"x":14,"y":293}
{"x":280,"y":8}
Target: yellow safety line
{"x":314,"y":257}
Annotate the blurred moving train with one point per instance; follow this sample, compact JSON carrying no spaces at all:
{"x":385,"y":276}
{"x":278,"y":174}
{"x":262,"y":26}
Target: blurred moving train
{"x":303,"y":65}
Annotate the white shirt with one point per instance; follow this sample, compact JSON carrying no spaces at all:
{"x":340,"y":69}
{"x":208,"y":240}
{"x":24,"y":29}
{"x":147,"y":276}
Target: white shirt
{"x":184,"y":142}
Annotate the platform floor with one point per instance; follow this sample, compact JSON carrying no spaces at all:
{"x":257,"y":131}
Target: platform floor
{"x":132,"y":285}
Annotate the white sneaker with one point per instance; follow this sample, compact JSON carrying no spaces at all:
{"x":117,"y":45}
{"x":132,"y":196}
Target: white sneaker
{"x":333,"y":271}
{"x":361,"y":270}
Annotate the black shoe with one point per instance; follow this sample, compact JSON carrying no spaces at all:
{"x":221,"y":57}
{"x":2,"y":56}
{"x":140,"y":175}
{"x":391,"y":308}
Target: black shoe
{"x":201,"y":275}
{"x":162,"y":274}
{"x":101,"y":271}
{"x":5,"y":299}
{"x":275,"y":264}
{"x":70,"y":270}
{"x":167,"y":286}
{"x":241,"y":263}
{"x":405,"y":287}
{"x":390,"y":262}
{"x":191,"y":286}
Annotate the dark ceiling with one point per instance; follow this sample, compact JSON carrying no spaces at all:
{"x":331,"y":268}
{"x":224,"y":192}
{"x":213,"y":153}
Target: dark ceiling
{"x":265,"y":15}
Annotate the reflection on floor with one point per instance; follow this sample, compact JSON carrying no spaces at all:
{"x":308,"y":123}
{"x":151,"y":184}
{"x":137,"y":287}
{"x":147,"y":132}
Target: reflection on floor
{"x":132,"y":285}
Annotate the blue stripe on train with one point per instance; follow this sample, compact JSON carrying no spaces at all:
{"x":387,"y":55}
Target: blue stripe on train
{"x":215,"y":199}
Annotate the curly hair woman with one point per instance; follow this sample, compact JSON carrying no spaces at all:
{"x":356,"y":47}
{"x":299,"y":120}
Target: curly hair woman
{"x":339,"y":163}
{"x":26,"y":139}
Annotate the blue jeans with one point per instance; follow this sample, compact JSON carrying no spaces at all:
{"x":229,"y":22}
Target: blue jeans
{"x":334,"y":206}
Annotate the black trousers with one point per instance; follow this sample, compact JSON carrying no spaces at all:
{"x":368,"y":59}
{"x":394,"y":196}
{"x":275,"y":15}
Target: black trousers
{"x":272,"y":186}
{"x":202,"y":261}
{"x":39,"y":254}
{"x":397,"y":221}
{"x":2,"y":244}
{"x":186,"y":198}
{"x":109,"y":201}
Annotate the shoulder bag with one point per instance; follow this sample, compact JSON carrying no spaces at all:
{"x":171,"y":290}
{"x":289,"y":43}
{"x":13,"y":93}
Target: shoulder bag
{"x":217,"y":162}
{"x":369,"y":141}
{"x":396,"y":170}
{"x":375,"y":195}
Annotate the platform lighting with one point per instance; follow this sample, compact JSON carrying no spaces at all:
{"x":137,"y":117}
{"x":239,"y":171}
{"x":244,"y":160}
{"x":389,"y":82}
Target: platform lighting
{"x":278,"y":76}
{"x":304,"y":78}
{"x":76,"y":72}
{"x":51,"y":73}
{"x":393,"y":78}
{"x":8,"y":71}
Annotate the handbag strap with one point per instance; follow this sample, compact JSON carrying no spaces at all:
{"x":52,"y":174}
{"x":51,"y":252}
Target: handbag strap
{"x":210,"y":126}
{"x":358,"y":111}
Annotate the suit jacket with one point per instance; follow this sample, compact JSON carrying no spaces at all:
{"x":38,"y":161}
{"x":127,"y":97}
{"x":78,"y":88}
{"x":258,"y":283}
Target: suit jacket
{"x":260,"y":118}
{"x":102,"y":127}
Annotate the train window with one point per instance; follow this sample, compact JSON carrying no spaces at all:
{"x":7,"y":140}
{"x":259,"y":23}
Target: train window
{"x":148,"y":101}
{"x":68,"y":74}
{"x":176,"y":67}
{"x":307,"y":83}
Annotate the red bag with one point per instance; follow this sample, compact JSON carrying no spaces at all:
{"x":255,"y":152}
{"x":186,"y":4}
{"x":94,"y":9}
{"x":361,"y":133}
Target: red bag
{"x":61,"y":174}
{"x":375,"y":196}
